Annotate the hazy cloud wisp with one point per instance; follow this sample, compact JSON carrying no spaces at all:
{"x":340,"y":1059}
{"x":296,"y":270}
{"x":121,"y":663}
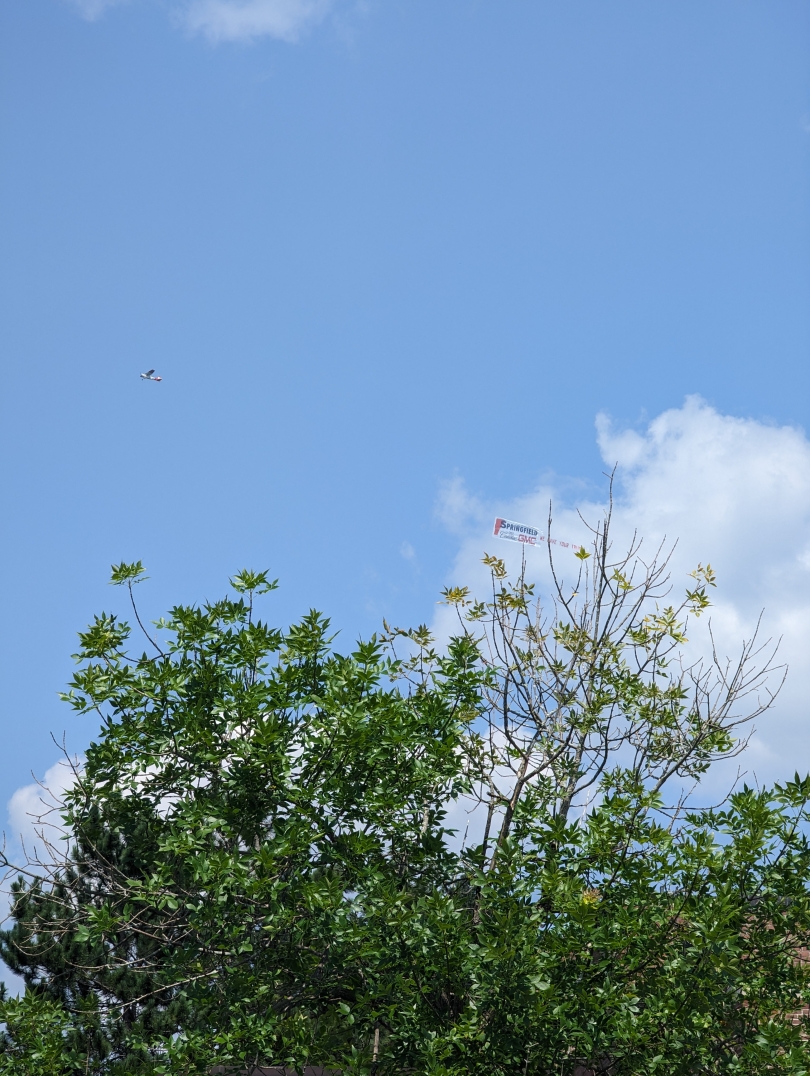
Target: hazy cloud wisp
{"x":94,"y":9}
{"x":232,"y":20}
{"x":244,"y":20}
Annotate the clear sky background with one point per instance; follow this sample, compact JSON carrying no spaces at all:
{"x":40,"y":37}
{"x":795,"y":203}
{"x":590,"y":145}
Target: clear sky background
{"x":392,"y":259}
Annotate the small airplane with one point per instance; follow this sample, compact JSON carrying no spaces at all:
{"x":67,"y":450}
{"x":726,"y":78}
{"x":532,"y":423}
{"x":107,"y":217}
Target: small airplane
{"x":150,"y":375}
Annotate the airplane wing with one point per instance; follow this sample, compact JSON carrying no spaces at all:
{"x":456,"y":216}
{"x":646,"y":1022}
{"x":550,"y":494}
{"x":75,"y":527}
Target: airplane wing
{"x":148,"y":373}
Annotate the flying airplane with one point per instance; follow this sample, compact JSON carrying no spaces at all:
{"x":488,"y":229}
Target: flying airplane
{"x":150,"y":375}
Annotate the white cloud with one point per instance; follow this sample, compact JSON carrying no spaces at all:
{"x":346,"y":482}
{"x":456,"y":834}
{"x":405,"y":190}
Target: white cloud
{"x":244,"y":20}
{"x":733,"y":492}
{"x":34,"y":809}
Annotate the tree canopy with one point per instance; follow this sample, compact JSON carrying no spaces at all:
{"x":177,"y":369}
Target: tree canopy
{"x":263,"y":871}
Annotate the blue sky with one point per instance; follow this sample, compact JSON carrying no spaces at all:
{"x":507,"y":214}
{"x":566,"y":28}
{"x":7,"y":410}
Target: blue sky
{"x":391,"y":258}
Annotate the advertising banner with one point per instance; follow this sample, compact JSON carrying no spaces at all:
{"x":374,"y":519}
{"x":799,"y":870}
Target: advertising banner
{"x":515,"y":532}
{"x":511,"y":531}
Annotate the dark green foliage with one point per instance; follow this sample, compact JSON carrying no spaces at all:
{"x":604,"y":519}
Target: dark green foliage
{"x":110,"y":985}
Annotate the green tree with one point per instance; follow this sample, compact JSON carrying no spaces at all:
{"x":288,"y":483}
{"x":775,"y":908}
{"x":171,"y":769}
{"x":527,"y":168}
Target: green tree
{"x":274,"y":782}
{"x":35,"y":1038}
{"x":638,"y":936}
{"x":295,"y":892}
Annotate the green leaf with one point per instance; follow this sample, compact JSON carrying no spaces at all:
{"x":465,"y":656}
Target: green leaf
{"x":124,"y":573}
